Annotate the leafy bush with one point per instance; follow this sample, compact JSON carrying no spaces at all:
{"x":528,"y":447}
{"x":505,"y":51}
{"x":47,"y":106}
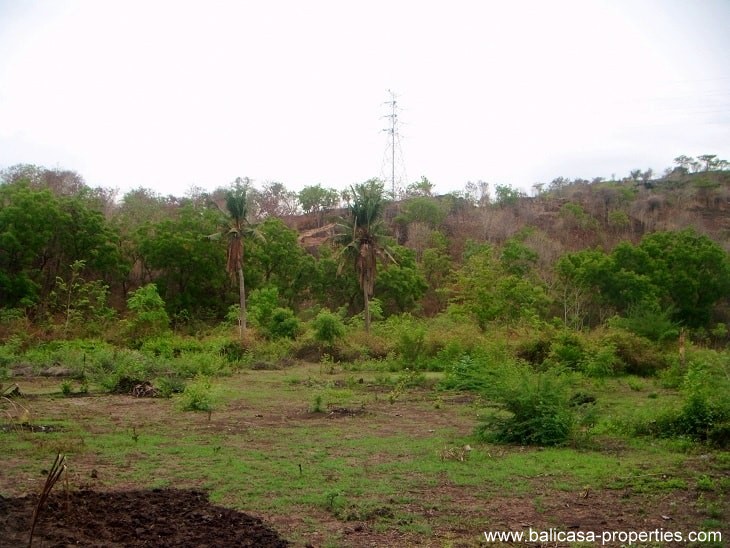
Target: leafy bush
{"x":535,"y":350}
{"x":534,"y":407}
{"x":148,"y":316}
{"x":170,"y":385}
{"x":199,"y":395}
{"x":190,"y":364}
{"x":648,"y":321}
{"x":601,"y":361}
{"x":638,"y":355}
{"x":328,"y":327}
{"x":283,"y":324}
{"x":122,"y":367}
{"x":261,"y":305}
{"x":170,"y":346}
{"x":567,"y":349}
{"x":705,"y":412}
{"x":477,"y":370}
{"x":274,"y":321}
{"x":447,"y":339}
{"x":407,"y":335}
{"x":466,"y":373}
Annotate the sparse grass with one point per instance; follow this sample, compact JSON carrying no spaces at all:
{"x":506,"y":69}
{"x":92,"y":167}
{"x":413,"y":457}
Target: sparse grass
{"x":263,"y":451}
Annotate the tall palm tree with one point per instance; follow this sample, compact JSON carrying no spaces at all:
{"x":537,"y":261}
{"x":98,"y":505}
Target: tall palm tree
{"x":361,"y":234}
{"x":237,"y":227}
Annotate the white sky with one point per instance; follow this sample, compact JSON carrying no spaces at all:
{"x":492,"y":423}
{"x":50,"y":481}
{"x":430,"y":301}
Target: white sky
{"x":167,"y":95}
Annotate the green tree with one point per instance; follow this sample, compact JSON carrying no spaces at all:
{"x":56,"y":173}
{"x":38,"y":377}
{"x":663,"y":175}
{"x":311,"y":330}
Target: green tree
{"x":402,"y":284}
{"x":690,"y":271}
{"x":316,"y":200}
{"x":505,"y":195}
{"x":490,"y":289}
{"x":423,"y":187}
{"x":41,"y":234}
{"x":29,"y":221}
{"x":421,"y":209}
{"x":278,"y":259}
{"x":81,"y":302}
{"x":362,"y":236}
{"x":182,"y":264}
{"x":680,"y":271}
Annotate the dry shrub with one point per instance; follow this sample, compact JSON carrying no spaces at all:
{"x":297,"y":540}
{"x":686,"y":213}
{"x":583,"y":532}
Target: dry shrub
{"x":454,"y":338}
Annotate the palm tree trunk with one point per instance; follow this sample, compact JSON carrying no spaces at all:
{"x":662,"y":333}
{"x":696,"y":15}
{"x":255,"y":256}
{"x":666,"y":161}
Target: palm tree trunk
{"x":367,"y":308}
{"x":242,"y":301}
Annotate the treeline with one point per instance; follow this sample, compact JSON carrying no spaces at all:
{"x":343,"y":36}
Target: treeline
{"x":577,"y":251}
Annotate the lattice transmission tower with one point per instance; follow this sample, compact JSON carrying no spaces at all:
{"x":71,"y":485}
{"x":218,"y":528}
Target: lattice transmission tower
{"x":393,"y":169}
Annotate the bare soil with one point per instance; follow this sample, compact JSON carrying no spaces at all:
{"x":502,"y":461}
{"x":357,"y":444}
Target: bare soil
{"x":158,"y":517}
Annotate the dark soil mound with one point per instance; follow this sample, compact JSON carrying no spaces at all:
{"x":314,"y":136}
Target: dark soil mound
{"x":160,"y":517}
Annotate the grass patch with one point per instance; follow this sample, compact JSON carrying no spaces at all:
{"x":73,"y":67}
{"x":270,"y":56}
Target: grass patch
{"x":399,"y":466}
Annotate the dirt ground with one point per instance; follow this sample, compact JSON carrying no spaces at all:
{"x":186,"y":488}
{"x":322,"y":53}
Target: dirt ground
{"x":106,"y":508}
{"x":159,"y":517}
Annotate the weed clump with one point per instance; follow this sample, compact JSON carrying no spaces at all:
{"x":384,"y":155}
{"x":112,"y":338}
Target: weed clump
{"x":533,"y":408}
{"x":199,"y":395}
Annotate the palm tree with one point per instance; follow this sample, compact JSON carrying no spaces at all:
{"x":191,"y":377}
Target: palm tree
{"x":361,"y":234}
{"x":237,"y":227}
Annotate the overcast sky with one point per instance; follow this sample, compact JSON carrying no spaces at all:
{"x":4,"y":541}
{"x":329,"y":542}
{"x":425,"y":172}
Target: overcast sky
{"x":167,"y":95}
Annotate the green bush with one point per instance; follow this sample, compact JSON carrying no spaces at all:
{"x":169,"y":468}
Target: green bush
{"x":601,"y":361}
{"x":411,"y":345}
{"x":148,"y":317}
{"x":261,"y":305}
{"x":705,"y":411}
{"x":638,"y":355}
{"x":190,"y":364}
{"x":447,"y":338}
{"x":170,"y":346}
{"x":283,"y":324}
{"x":466,"y":373}
{"x":199,"y":395}
{"x":535,"y":350}
{"x":475,"y":371}
{"x":648,"y":321}
{"x":567,"y":350}
{"x":328,"y":327}
{"x":535,"y":408}
{"x":170,"y":385}
{"x":124,"y":368}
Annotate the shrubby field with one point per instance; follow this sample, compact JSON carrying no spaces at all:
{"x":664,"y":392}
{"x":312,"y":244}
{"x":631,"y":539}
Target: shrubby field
{"x":370,"y":372}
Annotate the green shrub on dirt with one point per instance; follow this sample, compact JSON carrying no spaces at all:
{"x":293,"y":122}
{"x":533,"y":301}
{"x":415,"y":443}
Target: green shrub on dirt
{"x":535,"y":349}
{"x":534,"y":408}
{"x":475,"y":371}
{"x":170,"y":346}
{"x":450,"y":336}
{"x":199,"y":395}
{"x":704,"y":414}
{"x":190,"y":364}
{"x":169,"y":385}
{"x":126,"y":368}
